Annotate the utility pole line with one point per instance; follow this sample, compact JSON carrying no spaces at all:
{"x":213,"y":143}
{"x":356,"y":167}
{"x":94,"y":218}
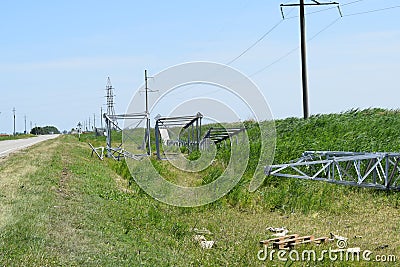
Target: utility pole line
{"x":101,"y":116}
{"x":79,"y":130}
{"x":14,"y":120}
{"x":304,"y":48}
{"x":147,"y":90}
{"x":147,"y":139}
{"x":304,"y":60}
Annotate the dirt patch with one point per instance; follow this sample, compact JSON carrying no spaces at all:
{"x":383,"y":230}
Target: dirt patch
{"x":122,"y":184}
{"x":62,"y":184}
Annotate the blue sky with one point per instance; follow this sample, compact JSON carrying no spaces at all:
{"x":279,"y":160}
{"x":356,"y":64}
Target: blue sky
{"x":55,"y":56}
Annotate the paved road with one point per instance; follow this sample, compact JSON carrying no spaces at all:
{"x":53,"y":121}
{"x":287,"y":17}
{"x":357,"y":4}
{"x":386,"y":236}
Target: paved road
{"x":9,"y":146}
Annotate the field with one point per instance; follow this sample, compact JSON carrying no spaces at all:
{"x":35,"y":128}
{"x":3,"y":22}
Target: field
{"x":61,"y":207}
{"x":19,"y":136}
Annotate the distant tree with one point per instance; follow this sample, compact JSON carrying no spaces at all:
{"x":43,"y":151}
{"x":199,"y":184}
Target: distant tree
{"x":45,"y":130}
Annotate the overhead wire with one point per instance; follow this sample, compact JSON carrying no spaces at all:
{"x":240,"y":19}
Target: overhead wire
{"x":324,"y":29}
{"x":247,"y":3}
{"x":276,"y":25}
{"x":371,"y":11}
{"x":296,"y":48}
{"x":257,"y":41}
{"x":350,"y":3}
{"x":308,"y":40}
{"x":326,"y":9}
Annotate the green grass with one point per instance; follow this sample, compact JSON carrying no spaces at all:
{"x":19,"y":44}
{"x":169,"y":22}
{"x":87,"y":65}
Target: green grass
{"x":18,"y":136}
{"x":60,"y":207}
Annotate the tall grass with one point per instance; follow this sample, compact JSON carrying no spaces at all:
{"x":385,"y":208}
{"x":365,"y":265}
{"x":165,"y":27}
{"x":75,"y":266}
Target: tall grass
{"x":353,"y":130}
{"x":61,"y":208}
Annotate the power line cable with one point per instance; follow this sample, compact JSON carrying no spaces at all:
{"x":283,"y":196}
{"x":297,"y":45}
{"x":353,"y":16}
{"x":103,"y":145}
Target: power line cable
{"x":350,"y":3}
{"x":255,"y":43}
{"x":277,"y":24}
{"x":326,"y":9}
{"x":296,"y":48}
{"x":324,"y":29}
{"x":258,"y":40}
{"x":371,"y":11}
{"x":276,"y":61}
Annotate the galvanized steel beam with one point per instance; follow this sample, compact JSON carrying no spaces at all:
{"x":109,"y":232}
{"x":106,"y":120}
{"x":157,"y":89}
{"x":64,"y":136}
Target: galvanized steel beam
{"x":375,"y":170}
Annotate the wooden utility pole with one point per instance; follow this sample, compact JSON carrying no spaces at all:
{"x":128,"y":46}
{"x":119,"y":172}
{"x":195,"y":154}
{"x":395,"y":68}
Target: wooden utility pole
{"x":101,"y":117}
{"x":14,"y":120}
{"x":304,"y":48}
{"x":147,"y":135}
{"x":303,"y":60}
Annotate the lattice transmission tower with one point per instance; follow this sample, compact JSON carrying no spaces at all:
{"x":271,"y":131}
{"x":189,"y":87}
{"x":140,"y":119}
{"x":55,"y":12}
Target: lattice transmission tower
{"x":110,"y":99}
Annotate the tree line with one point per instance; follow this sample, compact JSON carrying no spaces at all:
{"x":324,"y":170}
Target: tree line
{"x":45,"y":130}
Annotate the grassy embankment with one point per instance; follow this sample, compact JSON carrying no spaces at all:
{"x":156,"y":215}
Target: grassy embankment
{"x":58,"y":206}
{"x":18,"y":136}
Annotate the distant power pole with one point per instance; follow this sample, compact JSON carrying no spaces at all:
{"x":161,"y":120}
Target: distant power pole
{"x":31,"y":126}
{"x":79,"y":130}
{"x":94,"y":121}
{"x":101,"y":117}
{"x":25,"y":124}
{"x":147,"y":135}
{"x":303,"y":48}
{"x":110,"y":102}
{"x":14,"y":120}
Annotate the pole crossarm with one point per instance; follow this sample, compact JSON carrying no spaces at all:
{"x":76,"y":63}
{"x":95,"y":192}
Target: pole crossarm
{"x":315,"y":3}
{"x":379,"y":170}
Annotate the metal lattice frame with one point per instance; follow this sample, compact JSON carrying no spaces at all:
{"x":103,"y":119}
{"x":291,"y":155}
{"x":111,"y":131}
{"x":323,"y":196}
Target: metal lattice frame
{"x":192,"y":124}
{"x":218,"y":135}
{"x":379,"y":170}
{"x":119,"y":152}
{"x":110,"y":99}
